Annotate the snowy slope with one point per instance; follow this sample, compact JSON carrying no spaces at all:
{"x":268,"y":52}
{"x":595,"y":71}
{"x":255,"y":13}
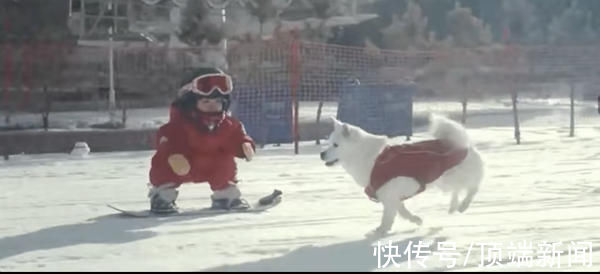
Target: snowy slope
{"x":54,"y":216}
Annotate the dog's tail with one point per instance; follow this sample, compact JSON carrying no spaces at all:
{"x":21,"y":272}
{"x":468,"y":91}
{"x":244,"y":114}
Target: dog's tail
{"x":445,"y":129}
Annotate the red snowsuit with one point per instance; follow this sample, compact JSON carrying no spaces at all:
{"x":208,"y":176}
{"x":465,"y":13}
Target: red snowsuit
{"x":210,"y":154}
{"x":424,"y":161}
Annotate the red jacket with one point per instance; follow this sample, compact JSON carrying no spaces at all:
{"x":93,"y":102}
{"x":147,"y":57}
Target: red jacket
{"x":190,"y":137}
{"x":210,"y":153}
{"x":424,"y":161}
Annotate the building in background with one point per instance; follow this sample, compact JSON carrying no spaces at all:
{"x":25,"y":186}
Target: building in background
{"x":133,"y":21}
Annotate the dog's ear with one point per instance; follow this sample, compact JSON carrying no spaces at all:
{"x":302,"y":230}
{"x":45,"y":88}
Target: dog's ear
{"x":346,"y":131}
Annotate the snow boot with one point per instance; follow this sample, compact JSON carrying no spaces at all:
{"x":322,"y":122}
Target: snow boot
{"x":162,"y":199}
{"x":228,"y":198}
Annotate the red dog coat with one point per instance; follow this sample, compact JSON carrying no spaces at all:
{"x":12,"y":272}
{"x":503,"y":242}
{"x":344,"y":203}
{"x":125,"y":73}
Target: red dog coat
{"x":424,"y":161}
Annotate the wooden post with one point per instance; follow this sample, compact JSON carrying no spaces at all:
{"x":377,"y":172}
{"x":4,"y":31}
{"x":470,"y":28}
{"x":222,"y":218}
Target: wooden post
{"x":319,"y":110}
{"x":572,"y":96}
{"x":294,"y":82}
{"x":516,"y":116}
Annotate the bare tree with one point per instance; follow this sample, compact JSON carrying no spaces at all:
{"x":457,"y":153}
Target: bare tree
{"x":408,"y":31}
{"x":522,"y":21}
{"x":466,"y":30}
{"x":196,"y":25}
{"x":572,"y":27}
{"x":48,"y":69}
{"x":46,"y":108}
{"x":321,"y":11}
{"x":455,"y":74}
{"x":263,"y":10}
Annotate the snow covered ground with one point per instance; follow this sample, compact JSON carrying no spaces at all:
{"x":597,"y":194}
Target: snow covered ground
{"x":54,"y":217}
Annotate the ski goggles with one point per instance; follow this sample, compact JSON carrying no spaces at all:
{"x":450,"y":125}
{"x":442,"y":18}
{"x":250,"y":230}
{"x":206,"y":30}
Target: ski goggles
{"x":205,"y":85}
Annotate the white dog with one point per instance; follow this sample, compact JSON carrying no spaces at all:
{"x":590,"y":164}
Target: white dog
{"x":392,"y":173}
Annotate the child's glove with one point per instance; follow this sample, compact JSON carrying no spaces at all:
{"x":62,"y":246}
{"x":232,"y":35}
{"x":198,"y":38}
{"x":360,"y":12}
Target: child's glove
{"x":179,"y":164}
{"x":248,"y":151}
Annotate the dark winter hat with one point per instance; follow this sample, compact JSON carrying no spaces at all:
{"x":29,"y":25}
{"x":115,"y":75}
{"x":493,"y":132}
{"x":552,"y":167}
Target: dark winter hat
{"x":205,"y":83}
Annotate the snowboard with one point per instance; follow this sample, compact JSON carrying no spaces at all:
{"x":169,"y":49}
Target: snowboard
{"x":261,"y":205}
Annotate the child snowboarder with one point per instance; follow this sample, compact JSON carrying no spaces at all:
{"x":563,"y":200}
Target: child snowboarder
{"x":199,"y":144}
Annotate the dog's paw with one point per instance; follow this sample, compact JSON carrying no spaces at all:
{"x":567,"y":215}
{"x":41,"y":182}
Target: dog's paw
{"x":416,"y":220}
{"x":463,"y":206}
